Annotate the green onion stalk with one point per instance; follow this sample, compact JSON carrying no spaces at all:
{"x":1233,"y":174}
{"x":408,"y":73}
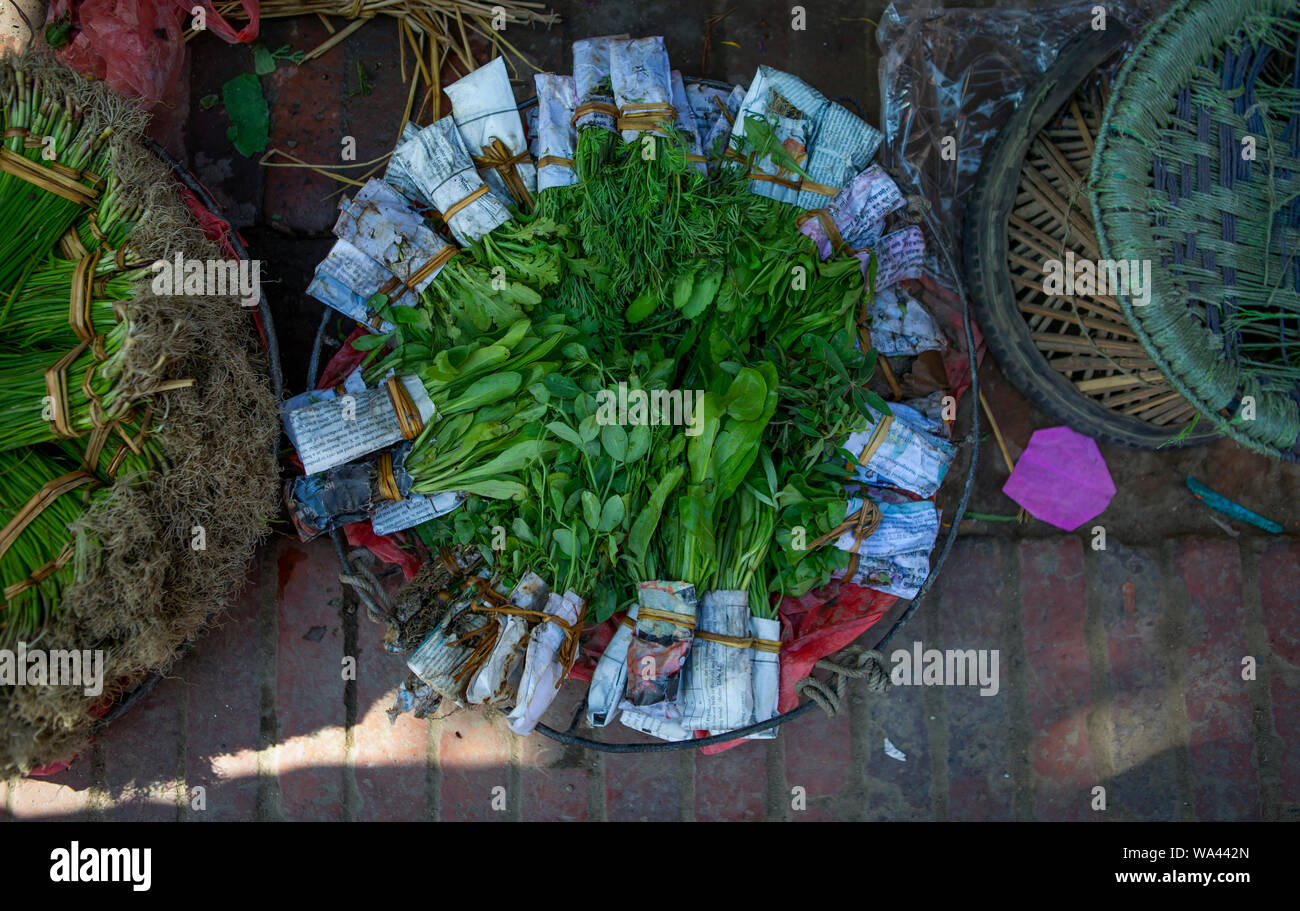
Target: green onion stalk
{"x":41,"y":542}
{"x":749,"y":528}
{"x":26,"y":409}
{"x":45,"y":537}
{"x":35,"y":219}
{"x":35,"y":314}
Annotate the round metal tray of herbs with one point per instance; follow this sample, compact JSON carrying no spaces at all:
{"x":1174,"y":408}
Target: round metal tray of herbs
{"x":619,"y":371}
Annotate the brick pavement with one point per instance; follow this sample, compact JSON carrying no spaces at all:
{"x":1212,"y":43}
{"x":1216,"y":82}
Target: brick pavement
{"x":1119,"y":669}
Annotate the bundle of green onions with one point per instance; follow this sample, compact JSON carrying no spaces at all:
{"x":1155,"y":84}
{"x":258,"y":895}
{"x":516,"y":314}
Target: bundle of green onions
{"x":67,"y":428}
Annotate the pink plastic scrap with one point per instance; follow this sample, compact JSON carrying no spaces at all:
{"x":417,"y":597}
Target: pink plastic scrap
{"x":1061,"y":478}
{"x":138,"y":46}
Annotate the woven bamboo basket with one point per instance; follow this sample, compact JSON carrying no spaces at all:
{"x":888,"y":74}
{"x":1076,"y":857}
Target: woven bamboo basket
{"x":1073,"y":354}
{"x":1197,"y":171}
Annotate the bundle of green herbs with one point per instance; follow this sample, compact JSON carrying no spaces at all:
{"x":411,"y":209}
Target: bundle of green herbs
{"x":641,"y":381}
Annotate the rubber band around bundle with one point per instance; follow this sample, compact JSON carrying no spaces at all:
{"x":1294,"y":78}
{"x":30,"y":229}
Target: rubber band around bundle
{"x":388,"y":488}
{"x":824,"y":219}
{"x":455,"y":208}
{"x":58,"y":179}
{"x":408,"y":416}
{"x":50,"y":491}
{"x":648,"y":613}
{"x":593,"y":107}
{"x":435,"y":262}
{"x":644,"y":117}
{"x":720,"y":639}
{"x":498,"y":157}
{"x":877,"y":437}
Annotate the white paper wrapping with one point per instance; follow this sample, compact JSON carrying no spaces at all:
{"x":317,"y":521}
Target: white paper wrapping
{"x":896,"y":558}
{"x":330,"y":433}
{"x":399,"y":178}
{"x":904,"y":527}
{"x":497,"y":681}
{"x":901,"y":326}
{"x":413,"y":510}
{"x":704,"y":110}
{"x":442,"y":652}
{"x":591,"y":79}
{"x":483,"y":106}
{"x":353,"y":382}
{"x":542,"y":670}
{"x":663,"y":720}
{"x":686,"y":120}
{"x":911,"y":457}
{"x":900,"y":255}
{"x":383,"y":225}
{"x":640,"y":74}
{"x":557,"y":98}
{"x":610,"y":677}
{"x":346,"y":279}
{"x":767,"y":674}
{"x":901,"y":575}
{"x":437,"y":164}
{"x":839,"y":144}
{"x":659,"y":648}
{"x":718,"y":679}
{"x":858,"y":211}
{"x":716,"y":140}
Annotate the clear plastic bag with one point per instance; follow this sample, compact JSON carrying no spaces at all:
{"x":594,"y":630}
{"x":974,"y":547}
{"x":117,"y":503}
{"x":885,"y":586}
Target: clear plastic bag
{"x":950,"y":78}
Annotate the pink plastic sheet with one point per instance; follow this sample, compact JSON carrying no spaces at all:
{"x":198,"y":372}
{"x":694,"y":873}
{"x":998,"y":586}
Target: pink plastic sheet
{"x":137,"y":46}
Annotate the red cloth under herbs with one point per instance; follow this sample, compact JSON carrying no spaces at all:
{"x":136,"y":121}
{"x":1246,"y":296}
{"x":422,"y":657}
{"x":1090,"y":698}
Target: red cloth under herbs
{"x":386,"y":547}
{"x":344,"y":361}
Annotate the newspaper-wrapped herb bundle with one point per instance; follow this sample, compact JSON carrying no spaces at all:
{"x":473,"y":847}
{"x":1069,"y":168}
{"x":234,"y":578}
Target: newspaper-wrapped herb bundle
{"x":645,"y":367}
{"x":129,"y":506}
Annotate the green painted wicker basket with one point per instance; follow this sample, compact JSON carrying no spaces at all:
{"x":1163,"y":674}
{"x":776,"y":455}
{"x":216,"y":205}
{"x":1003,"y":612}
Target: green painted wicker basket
{"x":1197,"y":171}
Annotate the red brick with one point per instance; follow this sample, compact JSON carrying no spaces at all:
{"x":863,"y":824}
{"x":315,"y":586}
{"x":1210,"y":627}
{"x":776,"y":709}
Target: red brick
{"x":141,"y":751}
{"x":306,"y":104}
{"x":641,"y":787}
{"x":1279,"y":596}
{"x":374,"y":118}
{"x":1218,"y":706}
{"x":979,"y":750}
{"x":554,"y":795}
{"x":1053,"y":594}
{"x":1286,"y":722}
{"x":818,"y":758}
{"x":65,"y":796}
{"x":309,"y":682}
{"x":474,"y":760}
{"x":1145,"y":782}
{"x":170,"y":117}
{"x":390,"y":759}
{"x":731,"y":786}
{"x":222,"y":680}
